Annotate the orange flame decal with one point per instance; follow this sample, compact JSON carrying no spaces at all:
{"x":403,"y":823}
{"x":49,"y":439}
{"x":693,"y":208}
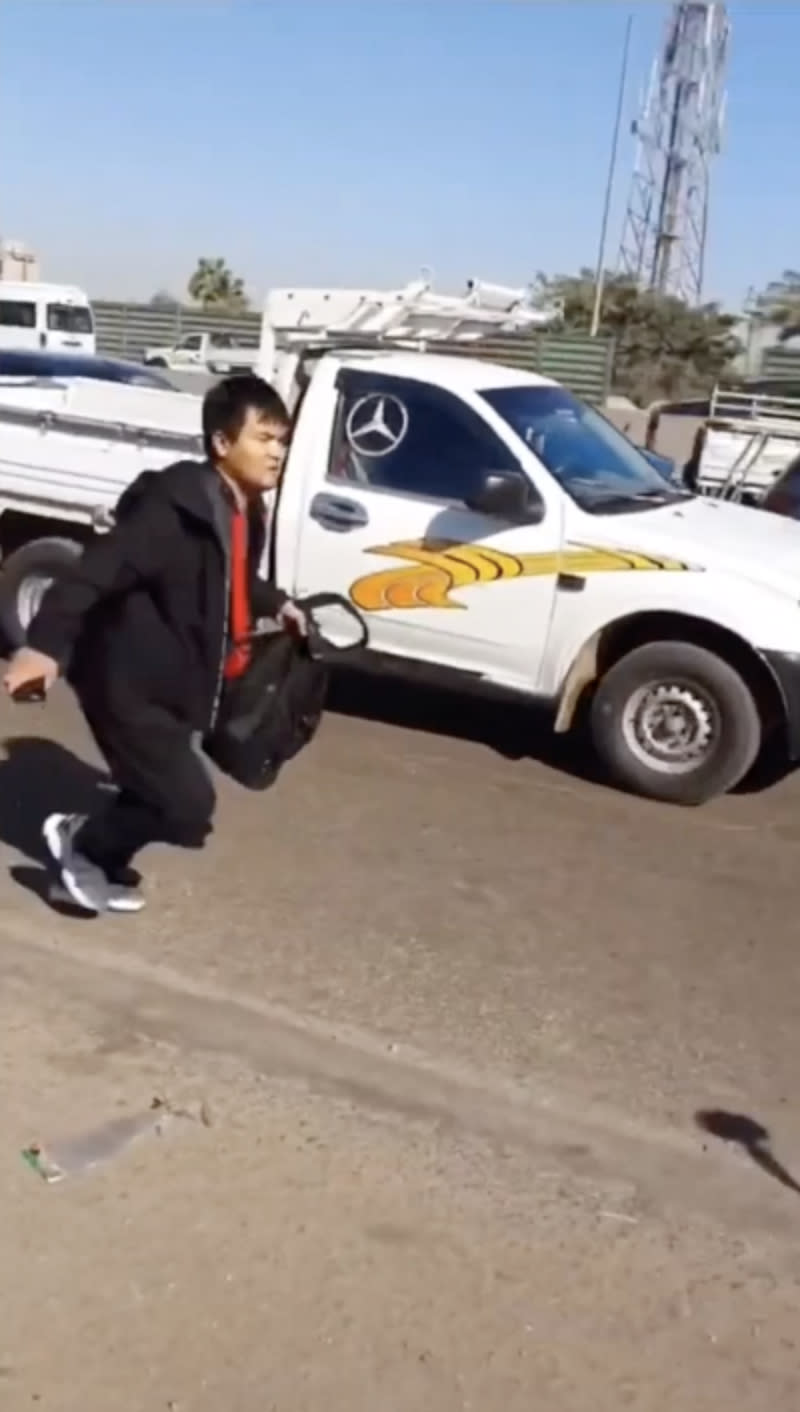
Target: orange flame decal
{"x":438,"y":567}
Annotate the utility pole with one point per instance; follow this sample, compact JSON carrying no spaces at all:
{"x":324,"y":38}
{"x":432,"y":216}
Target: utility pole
{"x":599,"y":279}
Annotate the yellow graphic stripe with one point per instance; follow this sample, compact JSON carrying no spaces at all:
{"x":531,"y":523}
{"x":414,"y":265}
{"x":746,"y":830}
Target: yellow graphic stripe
{"x":439,"y":567}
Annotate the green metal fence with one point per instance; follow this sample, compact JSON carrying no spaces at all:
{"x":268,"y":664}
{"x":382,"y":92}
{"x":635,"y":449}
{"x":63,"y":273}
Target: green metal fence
{"x":126,"y":330}
{"x":780,"y":363}
{"x":581,"y":363}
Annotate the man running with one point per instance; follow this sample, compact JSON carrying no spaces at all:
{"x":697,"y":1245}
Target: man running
{"x":149,"y":626}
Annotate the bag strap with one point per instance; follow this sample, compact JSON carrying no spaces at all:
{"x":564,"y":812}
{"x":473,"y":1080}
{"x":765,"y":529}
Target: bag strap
{"x":318,"y":645}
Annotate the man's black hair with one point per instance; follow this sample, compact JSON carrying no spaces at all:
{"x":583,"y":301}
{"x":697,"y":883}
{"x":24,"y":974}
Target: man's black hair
{"x":225,"y":407}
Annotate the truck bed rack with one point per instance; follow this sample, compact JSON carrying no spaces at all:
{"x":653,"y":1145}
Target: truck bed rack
{"x":748,"y":440}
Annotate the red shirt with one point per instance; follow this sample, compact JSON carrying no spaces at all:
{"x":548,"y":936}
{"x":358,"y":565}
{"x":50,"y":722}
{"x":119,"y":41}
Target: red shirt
{"x":240,"y":619}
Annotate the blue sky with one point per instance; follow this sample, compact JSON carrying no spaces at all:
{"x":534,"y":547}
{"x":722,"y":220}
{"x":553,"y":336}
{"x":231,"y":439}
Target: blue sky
{"x":353,"y":141}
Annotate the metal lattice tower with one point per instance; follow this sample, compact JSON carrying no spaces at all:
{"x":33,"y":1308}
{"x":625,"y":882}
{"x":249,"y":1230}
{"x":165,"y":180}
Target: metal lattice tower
{"x":678,"y":133}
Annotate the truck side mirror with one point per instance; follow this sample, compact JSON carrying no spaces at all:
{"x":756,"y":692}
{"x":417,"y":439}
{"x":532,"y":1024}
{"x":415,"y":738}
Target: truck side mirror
{"x":508,"y":495}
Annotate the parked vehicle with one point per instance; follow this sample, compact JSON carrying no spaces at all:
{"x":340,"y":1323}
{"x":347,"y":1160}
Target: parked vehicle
{"x":18,"y":363}
{"x":751,"y":388}
{"x":46,"y":316}
{"x":204,"y":353}
{"x":783,"y":498}
{"x":494,"y":531}
{"x":746,"y":443}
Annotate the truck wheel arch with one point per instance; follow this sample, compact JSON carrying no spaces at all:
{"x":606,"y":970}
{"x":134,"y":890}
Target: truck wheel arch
{"x":616,"y":639}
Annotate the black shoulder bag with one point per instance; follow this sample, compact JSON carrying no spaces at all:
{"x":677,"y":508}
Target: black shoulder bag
{"x":273,"y":710}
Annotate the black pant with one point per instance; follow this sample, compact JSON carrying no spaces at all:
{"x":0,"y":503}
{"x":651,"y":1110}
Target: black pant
{"x":165,"y":794}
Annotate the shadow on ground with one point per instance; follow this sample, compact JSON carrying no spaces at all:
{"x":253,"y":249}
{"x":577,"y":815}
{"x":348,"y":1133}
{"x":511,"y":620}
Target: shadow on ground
{"x":514,"y":729}
{"x":772,"y":766}
{"x":748,"y":1135}
{"x":40,"y":777}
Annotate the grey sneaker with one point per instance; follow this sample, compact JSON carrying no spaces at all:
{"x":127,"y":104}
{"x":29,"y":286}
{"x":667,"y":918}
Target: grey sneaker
{"x":124,"y":896}
{"x":86,"y":884}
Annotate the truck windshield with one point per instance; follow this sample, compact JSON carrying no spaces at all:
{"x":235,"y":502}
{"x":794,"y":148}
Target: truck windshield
{"x":598,"y":467}
{"x":69,"y":318}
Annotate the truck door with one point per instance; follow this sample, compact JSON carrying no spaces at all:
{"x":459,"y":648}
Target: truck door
{"x":69,"y":326}
{"x":188,"y":353}
{"x":384,"y":522}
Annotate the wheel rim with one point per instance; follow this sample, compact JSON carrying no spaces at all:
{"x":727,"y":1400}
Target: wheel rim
{"x":672,"y":727}
{"x":30,"y":593}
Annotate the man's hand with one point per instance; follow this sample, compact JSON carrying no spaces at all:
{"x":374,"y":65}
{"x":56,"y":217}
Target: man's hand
{"x":293,"y":619}
{"x":27,"y":667}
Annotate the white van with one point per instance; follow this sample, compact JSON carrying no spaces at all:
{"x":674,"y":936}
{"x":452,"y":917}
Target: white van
{"x":49,"y":316}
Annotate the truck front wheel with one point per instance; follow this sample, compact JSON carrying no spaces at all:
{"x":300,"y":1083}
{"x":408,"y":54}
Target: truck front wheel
{"x":675,"y":722}
{"x":25,"y":577}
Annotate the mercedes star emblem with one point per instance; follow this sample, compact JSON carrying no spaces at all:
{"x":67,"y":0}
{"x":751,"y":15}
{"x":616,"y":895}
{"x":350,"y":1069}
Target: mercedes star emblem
{"x":376,"y":424}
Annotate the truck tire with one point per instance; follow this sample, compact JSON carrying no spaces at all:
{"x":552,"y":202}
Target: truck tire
{"x":675,"y":722}
{"x":24,"y":579}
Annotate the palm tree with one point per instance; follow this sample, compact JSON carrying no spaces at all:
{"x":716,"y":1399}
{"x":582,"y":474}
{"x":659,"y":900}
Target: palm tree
{"x":214,"y":286}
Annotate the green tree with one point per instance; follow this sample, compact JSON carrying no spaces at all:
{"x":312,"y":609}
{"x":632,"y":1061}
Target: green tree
{"x":663,"y":347}
{"x":214,"y":286}
{"x":779,"y":303}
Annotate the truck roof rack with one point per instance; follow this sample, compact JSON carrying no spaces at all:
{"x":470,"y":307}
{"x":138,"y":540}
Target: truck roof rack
{"x":412,"y":317}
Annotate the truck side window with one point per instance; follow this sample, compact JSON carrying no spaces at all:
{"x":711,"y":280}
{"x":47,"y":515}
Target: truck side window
{"x":413,"y":438}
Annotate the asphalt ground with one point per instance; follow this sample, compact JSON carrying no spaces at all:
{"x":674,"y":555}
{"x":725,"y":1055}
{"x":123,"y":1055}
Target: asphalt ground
{"x":457,"y":1007}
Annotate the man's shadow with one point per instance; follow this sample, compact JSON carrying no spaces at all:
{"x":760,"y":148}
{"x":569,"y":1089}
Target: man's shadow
{"x":40,"y":777}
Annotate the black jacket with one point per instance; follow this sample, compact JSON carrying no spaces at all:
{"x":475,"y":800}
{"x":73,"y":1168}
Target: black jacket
{"x":142,"y":618}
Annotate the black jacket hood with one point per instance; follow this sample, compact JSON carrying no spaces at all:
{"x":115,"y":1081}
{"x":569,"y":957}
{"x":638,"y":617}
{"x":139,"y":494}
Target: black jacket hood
{"x":193,"y":487}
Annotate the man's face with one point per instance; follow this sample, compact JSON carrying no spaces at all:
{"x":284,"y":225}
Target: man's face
{"x":255,"y":458}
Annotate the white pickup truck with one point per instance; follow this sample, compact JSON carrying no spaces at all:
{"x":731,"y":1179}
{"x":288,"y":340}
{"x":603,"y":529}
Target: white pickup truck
{"x":745,"y":444}
{"x":203,"y":353}
{"x":492,"y":529}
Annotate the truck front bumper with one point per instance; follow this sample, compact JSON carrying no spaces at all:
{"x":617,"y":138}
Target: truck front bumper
{"x":785,"y":668}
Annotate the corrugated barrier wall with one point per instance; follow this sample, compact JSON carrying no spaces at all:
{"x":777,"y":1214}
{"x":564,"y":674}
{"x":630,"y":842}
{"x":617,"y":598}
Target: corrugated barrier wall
{"x":581,"y":363}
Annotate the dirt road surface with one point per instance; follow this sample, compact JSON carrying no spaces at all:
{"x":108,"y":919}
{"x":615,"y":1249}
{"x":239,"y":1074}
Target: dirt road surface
{"x":453,"y":1009}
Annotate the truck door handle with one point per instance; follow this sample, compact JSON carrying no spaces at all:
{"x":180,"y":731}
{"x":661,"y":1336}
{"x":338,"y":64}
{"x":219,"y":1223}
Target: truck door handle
{"x":336,"y":512}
